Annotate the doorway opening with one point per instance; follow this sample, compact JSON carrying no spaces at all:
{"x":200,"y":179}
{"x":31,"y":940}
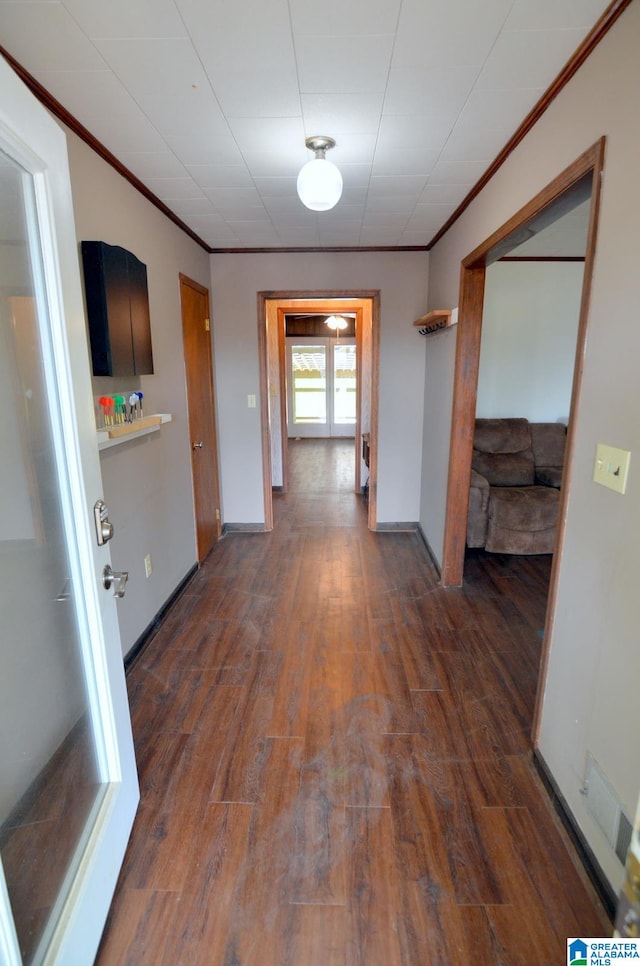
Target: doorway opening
{"x":570,"y":189}
{"x":318,"y":386}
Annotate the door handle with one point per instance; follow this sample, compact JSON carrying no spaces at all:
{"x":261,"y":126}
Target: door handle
{"x":196,"y":446}
{"x":116,"y":579}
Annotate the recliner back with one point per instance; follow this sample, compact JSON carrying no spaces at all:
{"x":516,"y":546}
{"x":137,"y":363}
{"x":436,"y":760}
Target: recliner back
{"x":503,"y":452}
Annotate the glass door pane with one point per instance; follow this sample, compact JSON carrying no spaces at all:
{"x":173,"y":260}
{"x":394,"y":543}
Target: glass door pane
{"x":308,"y":389}
{"x":343,"y":418}
{"x":50,"y":779}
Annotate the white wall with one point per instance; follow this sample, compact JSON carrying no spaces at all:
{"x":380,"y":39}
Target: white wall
{"x":591,"y":701}
{"x":147,"y":482}
{"x":401,"y":278}
{"x":529,"y":331}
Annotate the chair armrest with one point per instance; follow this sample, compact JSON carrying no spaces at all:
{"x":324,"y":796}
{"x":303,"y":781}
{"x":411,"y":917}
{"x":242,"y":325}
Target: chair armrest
{"x":478,"y":518}
{"x":481,"y":484}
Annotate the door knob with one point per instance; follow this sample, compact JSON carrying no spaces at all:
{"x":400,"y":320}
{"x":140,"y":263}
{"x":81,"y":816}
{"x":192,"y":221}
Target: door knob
{"x":116,"y":579}
{"x":197,"y":446}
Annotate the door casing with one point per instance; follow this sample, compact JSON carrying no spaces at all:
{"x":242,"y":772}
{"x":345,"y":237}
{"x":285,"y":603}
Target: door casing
{"x":272,"y":308}
{"x":548,"y":205}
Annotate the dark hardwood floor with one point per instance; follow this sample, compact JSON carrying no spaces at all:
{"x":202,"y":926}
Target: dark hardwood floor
{"x":335,"y":758}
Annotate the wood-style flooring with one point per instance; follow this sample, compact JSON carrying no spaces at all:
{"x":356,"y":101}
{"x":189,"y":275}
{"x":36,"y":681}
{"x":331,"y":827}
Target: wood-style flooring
{"x":335,"y":756}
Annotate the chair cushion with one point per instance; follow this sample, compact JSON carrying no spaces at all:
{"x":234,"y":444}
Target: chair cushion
{"x":502,"y":452}
{"x":548,"y":442}
{"x":522,"y":520}
{"x":524,"y":508}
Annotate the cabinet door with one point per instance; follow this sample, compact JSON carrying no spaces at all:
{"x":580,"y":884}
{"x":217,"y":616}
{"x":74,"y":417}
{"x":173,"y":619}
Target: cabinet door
{"x":140,"y":320}
{"x":118,"y":310}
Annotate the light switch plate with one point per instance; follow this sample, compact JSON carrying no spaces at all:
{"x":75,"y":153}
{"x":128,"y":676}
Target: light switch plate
{"x":611,"y":467}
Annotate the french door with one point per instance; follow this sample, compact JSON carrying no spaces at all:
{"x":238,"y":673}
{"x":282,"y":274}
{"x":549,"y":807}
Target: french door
{"x":321,"y":387}
{"x":68,"y":784}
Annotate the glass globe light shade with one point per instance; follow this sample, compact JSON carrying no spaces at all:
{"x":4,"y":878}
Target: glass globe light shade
{"x":336,"y":322}
{"x":319,"y":184}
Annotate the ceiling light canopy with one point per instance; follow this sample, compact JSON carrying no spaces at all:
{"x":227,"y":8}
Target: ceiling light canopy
{"x":319,"y":181}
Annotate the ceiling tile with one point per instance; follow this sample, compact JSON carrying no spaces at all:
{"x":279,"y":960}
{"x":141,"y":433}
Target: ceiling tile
{"x":389,"y":187}
{"x":445,"y":194}
{"x":447,"y":33}
{"x":408,"y":162}
{"x":336,"y":114}
{"x":531,"y":56}
{"x":272,"y":92}
{"x":355,"y":175}
{"x":276,"y":187}
{"x":158,"y":164}
{"x":489,"y":118}
{"x":336,"y":18}
{"x":457,"y":172}
{"x":141,"y":64}
{"x":247,"y":50}
{"x":124,"y":133}
{"x":182,"y":111}
{"x":551,"y":14}
{"x":284,"y":134}
{"x":274,"y":161}
{"x":169,"y":189}
{"x":122,"y":18}
{"x":205,"y":147}
{"x":334,"y":65}
{"x":233,"y":197}
{"x":220,"y":175}
{"x":45,"y":37}
{"x":197,"y":208}
{"x":379,"y":209}
{"x":438,"y":93}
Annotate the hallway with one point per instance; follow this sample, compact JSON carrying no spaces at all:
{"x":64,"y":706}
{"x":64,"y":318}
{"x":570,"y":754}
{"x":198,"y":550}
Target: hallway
{"x":334,"y":756}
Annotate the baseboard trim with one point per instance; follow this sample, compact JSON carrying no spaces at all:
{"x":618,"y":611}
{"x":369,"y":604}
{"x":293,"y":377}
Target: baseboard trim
{"x":427,"y":545}
{"x":152,"y":627}
{"x":409,"y":527}
{"x":591,"y":865}
{"x":244,"y":528}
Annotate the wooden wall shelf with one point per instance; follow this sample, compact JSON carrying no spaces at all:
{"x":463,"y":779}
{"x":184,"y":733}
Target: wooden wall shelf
{"x":114,"y":435}
{"x":434,"y":320}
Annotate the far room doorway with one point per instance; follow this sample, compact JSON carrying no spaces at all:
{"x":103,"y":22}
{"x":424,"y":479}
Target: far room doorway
{"x":318,"y":382}
{"x":321,"y":375}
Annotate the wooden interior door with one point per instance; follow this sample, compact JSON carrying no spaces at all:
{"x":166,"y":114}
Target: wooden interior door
{"x":198,"y":358}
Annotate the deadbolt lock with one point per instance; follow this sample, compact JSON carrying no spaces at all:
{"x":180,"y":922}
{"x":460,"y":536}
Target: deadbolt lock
{"x":104,"y":528}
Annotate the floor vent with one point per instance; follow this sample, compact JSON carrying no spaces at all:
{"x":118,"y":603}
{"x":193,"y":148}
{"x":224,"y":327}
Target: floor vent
{"x":603,"y":804}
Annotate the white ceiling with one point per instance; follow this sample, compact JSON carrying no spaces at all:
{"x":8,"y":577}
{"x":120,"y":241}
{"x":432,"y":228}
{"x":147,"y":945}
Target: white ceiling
{"x":208,"y":102}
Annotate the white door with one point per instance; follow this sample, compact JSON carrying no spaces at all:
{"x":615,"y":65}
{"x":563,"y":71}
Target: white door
{"x":68,"y":784}
{"x":321,"y":387}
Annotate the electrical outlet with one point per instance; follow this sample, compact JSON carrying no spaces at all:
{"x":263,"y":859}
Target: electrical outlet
{"x":611,"y":467}
{"x":148,"y":565}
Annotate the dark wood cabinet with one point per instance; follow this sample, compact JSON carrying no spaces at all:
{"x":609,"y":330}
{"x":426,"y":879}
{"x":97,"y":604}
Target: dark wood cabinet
{"x":118,"y":310}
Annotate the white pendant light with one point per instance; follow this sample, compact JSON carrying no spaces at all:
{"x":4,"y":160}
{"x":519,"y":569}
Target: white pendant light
{"x":336,"y":322}
{"x":319,"y":181}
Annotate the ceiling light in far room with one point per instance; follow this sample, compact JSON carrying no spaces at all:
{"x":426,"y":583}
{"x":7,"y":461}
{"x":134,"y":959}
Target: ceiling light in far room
{"x":336,"y":322}
{"x":319,"y":181}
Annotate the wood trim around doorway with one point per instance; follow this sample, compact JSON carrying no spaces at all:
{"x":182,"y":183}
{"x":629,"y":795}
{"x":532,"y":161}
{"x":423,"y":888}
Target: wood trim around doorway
{"x":272,"y":307}
{"x":545,"y":207}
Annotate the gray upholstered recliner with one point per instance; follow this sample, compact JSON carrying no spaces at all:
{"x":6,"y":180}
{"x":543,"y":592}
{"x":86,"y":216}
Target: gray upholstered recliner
{"x":515,"y":479}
